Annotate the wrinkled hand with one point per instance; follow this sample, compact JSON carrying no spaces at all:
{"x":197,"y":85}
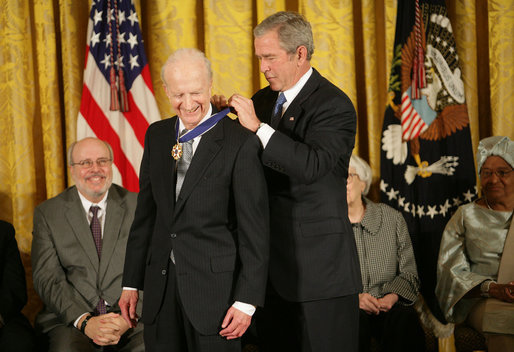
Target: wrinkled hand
{"x":128,"y":304}
{"x":219,"y":101}
{"x":387,"y":302}
{"x":369,"y":304}
{"x":503,"y":292}
{"x":106,"y":329}
{"x":245,"y":112}
{"x":235,"y":324}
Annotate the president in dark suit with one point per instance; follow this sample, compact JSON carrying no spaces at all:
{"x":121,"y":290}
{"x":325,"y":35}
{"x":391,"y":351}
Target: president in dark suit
{"x":307,"y":127}
{"x":199,"y":244}
{"x":78,"y":251}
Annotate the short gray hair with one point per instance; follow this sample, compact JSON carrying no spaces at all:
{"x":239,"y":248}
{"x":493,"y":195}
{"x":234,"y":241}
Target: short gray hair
{"x":187,"y":54}
{"x":293,"y":31}
{"x":363,"y":170}
{"x":72,"y":147}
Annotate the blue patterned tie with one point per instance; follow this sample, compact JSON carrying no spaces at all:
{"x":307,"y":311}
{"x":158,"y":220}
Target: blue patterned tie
{"x":277,"y":110}
{"x":96,"y":230}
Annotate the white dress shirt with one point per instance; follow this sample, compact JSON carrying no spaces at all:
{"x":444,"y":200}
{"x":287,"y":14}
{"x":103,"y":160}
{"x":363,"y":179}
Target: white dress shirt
{"x":266,"y":131}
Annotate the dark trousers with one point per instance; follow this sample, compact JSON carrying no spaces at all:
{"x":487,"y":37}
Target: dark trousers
{"x":314,"y":326}
{"x":397,"y":330}
{"x":17,"y":335}
{"x":173,"y":332}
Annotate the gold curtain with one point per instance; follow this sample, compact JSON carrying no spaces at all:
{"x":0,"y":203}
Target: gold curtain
{"x":42,"y":48}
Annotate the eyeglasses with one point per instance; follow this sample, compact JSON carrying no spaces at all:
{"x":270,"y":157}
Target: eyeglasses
{"x":502,"y":173}
{"x":88,"y":163}
{"x":351,"y":176}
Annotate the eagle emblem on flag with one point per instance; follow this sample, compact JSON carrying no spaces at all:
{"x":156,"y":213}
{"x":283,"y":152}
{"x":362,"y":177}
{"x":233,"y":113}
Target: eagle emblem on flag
{"x":432,"y":96}
{"x":426,"y":161}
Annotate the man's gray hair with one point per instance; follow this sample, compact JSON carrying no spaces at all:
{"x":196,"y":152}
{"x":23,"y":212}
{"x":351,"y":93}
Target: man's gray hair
{"x":293,"y":31}
{"x":363,"y":170}
{"x":72,"y":146}
{"x":188,"y":54}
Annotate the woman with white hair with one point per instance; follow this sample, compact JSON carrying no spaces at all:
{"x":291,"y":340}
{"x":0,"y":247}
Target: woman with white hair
{"x":388,"y":269}
{"x":475,"y":270}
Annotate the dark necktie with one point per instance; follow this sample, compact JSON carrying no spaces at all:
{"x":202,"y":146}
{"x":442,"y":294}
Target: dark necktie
{"x":183,"y":164}
{"x":96,"y":230}
{"x":277,"y":110}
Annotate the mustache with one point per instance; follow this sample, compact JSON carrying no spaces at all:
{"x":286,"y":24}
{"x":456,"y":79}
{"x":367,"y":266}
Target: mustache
{"x":96,"y":174}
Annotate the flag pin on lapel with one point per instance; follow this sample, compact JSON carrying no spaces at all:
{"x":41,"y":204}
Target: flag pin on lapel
{"x":291,"y":118}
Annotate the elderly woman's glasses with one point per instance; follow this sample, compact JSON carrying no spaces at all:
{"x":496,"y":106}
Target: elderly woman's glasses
{"x":502,"y":173}
{"x":351,"y":176}
{"x":88,"y":163}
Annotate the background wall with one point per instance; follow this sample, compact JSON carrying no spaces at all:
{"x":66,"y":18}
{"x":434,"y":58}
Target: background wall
{"x":42,"y":47}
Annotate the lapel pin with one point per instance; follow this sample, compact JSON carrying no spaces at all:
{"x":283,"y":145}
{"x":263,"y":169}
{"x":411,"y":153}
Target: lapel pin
{"x":291,"y":118}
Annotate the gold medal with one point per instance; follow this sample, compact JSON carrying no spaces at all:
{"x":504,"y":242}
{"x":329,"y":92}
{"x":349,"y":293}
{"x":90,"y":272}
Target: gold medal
{"x":176,"y":152}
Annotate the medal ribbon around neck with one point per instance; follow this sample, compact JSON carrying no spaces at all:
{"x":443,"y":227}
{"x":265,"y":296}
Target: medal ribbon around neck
{"x":176,"y":152}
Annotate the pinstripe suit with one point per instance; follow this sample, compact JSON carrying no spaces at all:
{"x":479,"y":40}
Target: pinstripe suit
{"x":217,"y":228}
{"x":68,"y":275}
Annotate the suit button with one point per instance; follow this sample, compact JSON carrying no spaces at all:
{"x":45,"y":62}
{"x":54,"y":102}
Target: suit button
{"x":163,"y":272}
{"x":173,"y":235}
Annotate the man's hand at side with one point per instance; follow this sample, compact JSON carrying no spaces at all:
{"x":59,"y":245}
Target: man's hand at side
{"x":235,"y":324}
{"x":128,"y":304}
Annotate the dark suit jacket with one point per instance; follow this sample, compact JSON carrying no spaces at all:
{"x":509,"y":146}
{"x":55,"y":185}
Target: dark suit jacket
{"x":13,"y":288}
{"x":218,"y":228}
{"x":313,"y":253}
{"x":68,"y":276}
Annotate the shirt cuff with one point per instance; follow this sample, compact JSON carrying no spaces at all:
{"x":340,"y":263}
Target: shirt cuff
{"x":264,"y":133}
{"x":130,"y":288}
{"x":75,"y":324}
{"x":244,"y":307}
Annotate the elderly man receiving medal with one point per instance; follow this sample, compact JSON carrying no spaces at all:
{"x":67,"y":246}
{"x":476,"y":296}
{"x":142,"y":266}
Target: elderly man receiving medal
{"x":198,"y":246}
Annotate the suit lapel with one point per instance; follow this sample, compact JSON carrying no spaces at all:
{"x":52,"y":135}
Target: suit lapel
{"x":77,"y":221}
{"x":209,"y":146}
{"x":115,"y":213}
{"x":169,"y":164}
{"x":295,"y":109}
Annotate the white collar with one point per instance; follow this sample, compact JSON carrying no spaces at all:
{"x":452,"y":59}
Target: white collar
{"x":87,"y":203}
{"x":292,"y":92}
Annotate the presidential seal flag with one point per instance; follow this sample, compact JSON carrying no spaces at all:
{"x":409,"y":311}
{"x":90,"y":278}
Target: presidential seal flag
{"x":117,"y":103}
{"x":427,"y":167}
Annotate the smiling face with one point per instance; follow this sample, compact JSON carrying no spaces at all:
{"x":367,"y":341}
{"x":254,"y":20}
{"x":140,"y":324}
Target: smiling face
{"x":497,"y":190}
{"x":188,"y":87}
{"x":281,"y":69}
{"x":92,"y":182}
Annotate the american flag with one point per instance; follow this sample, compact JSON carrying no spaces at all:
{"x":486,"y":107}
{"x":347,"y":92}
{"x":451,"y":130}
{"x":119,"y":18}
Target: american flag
{"x":118,"y":102}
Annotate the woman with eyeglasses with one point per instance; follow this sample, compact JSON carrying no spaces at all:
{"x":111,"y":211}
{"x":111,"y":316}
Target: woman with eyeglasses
{"x":388,"y":269}
{"x":475,"y":268}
